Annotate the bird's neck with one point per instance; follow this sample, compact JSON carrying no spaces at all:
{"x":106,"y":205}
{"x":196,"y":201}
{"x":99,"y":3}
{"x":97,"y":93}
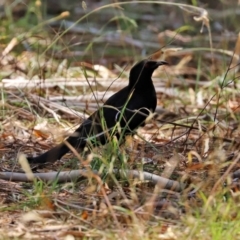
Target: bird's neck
{"x":141,"y":85}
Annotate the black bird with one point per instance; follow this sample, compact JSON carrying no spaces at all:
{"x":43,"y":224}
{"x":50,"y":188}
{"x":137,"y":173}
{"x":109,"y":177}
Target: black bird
{"x":127,"y":108}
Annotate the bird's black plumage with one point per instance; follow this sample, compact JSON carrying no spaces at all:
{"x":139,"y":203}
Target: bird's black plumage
{"x":128,"y":108}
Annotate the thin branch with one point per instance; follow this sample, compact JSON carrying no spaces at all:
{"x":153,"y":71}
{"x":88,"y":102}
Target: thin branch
{"x":68,"y":176}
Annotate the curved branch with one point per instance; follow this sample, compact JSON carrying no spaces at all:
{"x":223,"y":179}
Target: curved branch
{"x":67,"y":176}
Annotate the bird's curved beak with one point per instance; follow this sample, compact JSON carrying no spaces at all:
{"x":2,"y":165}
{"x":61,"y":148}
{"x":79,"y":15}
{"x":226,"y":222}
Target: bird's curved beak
{"x":159,"y":63}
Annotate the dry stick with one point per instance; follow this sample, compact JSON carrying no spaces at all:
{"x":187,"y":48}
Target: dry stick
{"x":99,"y":180}
{"x":172,"y":163}
{"x":67,"y":176}
{"x":107,"y":200}
{"x":75,"y":152}
{"x":178,"y":124}
{"x":71,"y":82}
{"x":94,"y":175}
{"x":220,"y":180}
{"x":57,"y":106}
{"x":190,"y":129}
{"x":80,"y":82}
{"x":176,"y":138}
{"x":221,"y":88}
{"x":55,"y":116}
{"x":56,"y":203}
{"x":76,"y":206}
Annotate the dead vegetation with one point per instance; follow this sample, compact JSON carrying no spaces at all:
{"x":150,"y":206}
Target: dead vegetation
{"x":178,"y":178}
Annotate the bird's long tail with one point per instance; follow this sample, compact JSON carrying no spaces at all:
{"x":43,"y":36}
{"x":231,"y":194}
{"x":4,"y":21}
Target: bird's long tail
{"x":50,"y":156}
{"x":77,"y":141}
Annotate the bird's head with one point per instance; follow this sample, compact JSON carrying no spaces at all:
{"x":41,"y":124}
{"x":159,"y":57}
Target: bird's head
{"x":143,"y":70}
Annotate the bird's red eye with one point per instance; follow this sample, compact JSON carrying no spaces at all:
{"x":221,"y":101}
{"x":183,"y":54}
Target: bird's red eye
{"x":146,"y":65}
